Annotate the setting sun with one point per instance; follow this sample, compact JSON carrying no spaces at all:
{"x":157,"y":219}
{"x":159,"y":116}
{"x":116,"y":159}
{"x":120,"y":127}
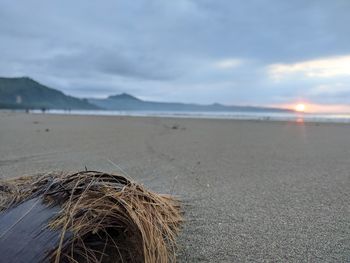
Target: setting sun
{"x":300,"y":107}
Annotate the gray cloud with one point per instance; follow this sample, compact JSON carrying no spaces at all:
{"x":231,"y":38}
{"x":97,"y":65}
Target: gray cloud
{"x":176,"y":50}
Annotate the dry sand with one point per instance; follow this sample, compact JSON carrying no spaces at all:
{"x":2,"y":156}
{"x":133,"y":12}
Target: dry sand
{"x":253,"y":191}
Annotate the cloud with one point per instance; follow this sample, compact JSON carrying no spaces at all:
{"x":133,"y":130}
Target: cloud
{"x":319,"y":68}
{"x":228,"y":63}
{"x":228,"y":51}
{"x":329,"y":90}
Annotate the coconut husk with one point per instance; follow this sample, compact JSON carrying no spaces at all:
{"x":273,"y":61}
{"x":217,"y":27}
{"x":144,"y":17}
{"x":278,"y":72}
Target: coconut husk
{"x":87,"y":216}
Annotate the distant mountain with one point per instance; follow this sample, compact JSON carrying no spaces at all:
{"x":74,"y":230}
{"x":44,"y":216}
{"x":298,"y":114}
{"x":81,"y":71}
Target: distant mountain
{"x":127,"y":102}
{"x":124,"y":96}
{"x":25,"y":93}
{"x":22,"y":93}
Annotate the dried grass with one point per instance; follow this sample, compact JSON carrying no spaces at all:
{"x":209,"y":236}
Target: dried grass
{"x":103,"y":217}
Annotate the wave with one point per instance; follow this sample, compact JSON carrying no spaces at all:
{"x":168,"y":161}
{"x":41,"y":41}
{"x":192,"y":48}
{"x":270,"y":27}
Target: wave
{"x":264,"y":116}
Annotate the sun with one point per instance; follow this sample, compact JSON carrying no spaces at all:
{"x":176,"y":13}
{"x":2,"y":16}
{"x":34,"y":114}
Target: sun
{"x":300,"y":107}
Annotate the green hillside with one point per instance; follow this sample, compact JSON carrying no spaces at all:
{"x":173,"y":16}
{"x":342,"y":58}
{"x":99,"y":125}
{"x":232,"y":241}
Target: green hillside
{"x":22,"y":93}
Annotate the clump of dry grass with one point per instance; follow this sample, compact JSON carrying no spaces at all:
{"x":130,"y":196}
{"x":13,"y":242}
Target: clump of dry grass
{"x":103,"y":217}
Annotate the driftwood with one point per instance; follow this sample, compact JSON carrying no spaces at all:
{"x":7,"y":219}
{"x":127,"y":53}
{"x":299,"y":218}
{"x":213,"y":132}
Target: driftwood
{"x":85,"y":217}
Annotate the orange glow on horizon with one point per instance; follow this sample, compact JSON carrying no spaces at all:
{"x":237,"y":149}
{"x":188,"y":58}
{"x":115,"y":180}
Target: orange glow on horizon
{"x":316,"y":108}
{"x":300,"y":107}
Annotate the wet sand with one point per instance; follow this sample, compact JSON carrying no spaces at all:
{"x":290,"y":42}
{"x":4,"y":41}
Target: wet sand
{"x":253,"y":191}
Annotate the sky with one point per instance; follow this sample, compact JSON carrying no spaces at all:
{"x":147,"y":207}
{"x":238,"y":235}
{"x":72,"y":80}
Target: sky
{"x":253,"y":52}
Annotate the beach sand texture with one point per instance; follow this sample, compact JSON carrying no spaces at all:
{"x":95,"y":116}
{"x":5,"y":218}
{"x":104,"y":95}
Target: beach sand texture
{"x":252,"y":190}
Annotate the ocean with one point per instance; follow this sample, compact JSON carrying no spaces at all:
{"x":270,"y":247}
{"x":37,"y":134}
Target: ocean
{"x":264,"y":116}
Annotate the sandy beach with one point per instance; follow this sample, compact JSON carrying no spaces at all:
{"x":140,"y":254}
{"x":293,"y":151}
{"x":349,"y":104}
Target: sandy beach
{"x":253,"y":191}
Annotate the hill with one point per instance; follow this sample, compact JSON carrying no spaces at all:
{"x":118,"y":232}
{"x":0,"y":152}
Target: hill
{"x":24,"y":92}
{"x":128,"y":102}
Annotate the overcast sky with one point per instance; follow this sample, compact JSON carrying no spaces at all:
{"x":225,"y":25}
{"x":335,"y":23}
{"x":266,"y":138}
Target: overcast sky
{"x":261,"y":52}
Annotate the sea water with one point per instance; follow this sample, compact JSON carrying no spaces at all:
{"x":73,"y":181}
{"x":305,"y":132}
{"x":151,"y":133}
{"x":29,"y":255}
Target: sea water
{"x":264,"y":116}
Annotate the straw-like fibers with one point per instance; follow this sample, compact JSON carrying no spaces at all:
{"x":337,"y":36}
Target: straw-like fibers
{"x":102,"y":217}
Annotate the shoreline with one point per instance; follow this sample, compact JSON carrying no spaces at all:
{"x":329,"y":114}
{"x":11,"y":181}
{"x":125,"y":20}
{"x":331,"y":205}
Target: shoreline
{"x":290,"y":118}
